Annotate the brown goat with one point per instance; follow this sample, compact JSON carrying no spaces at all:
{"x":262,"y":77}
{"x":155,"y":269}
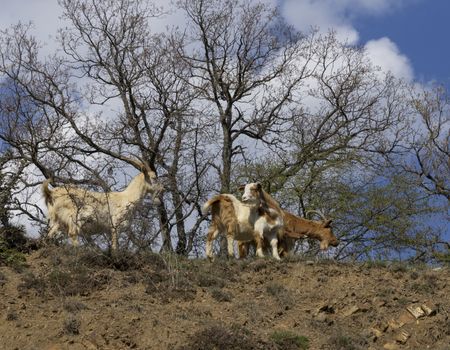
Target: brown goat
{"x":295,"y":228}
{"x":255,"y":218}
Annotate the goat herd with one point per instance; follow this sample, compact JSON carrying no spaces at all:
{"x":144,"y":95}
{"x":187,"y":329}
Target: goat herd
{"x":255,"y":220}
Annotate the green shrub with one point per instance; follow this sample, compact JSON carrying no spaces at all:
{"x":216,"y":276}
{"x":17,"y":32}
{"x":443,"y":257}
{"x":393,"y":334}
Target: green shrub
{"x":222,"y":337}
{"x":288,"y":340}
{"x":10,"y":256}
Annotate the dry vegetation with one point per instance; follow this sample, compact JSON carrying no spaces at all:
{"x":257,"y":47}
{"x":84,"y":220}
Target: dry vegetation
{"x":67,"y":298}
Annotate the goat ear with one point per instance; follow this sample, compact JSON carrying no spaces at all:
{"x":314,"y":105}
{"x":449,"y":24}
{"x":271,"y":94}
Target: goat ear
{"x":241,"y":188}
{"x":258,"y":186}
{"x":327,"y":223}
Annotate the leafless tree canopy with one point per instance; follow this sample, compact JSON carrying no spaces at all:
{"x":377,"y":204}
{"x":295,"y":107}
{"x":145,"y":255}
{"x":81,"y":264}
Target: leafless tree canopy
{"x":234,"y":95}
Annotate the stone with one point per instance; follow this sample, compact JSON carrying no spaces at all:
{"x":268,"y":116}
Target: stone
{"x":378,"y":302}
{"x":326,"y":307}
{"x":416,"y":311}
{"x":350,"y":311}
{"x":376,"y":332}
{"x":402,"y":337}
{"x":395,"y":324}
{"x":391,"y":346}
{"x":321,"y":317}
{"x":428,"y":311}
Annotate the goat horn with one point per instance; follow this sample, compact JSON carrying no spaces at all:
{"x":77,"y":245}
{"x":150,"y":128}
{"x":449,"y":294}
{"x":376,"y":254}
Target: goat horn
{"x":138,"y":164}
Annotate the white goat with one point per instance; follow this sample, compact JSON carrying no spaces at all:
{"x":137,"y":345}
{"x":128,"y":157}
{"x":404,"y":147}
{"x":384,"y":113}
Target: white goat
{"x":74,"y":210}
{"x":249,"y":220}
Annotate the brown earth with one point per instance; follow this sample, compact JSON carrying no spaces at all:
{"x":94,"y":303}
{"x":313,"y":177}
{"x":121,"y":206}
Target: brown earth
{"x":68,"y":298}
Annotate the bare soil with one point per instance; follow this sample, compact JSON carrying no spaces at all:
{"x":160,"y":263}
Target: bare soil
{"x":68,"y":298}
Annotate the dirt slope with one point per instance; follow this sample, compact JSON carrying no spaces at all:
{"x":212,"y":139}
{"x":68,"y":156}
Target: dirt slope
{"x":75,"y":299}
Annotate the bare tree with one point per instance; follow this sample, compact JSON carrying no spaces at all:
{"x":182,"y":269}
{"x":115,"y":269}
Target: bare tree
{"x":242,"y":64}
{"x":429,"y":142}
{"x":111,"y":61}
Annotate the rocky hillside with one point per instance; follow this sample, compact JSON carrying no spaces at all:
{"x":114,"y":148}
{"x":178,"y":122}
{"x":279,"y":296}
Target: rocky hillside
{"x":65,"y":298}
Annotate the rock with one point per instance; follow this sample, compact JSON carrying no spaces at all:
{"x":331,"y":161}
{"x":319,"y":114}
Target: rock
{"x":321,"y":317}
{"x":402,"y":337}
{"x":395,"y":324}
{"x":421,"y":311}
{"x":350,"y":311}
{"x":378,"y":302}
{"x":376,"y":332}
{"x":416,"y":311}
{"x":89,"y":345}
{"x":391,"y":346}
{"x":428,"y":311}
{"x":326,"y":307}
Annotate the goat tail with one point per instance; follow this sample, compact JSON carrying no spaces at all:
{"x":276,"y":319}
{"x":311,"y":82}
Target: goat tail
{"x":47,"y":192}
{"x":209,"y":203}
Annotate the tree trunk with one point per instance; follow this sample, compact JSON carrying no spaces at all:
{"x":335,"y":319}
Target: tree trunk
{"x":226,"y":160}
{"x":165,"y":230}
{"x":225,"y":176}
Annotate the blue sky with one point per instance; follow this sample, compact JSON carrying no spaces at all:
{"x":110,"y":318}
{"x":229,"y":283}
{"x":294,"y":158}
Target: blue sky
{"x":421,"y":31}
{"x":408,"y":37}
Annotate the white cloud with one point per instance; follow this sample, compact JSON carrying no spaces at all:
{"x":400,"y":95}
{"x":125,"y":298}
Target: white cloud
{"x":305,"y":14}
{"x":337,"y":15}
{"x":334,"y":14}
{"x":385,"y":54}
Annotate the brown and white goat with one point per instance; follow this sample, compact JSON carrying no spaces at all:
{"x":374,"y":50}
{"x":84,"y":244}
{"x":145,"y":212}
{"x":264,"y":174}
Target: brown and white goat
{"x":295,"y":228}
{"x":74,"y":210}
{"x":257,"y":217}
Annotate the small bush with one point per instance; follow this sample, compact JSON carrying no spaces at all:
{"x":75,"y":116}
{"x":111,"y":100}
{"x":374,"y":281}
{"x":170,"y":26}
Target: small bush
{"x":443,"y":258}
{"x":399,"y":267}
{"x":281,"y":295}
{"x":224,"y":338}
{"x":376,"y":264}
{"x":220,"y":295}
{"x":428,"y":283}
{"x":72,"y":325}
{"x":122,"y":260}
{"x":12,"y":316}
{"x":344,"y":342}
{"x":32,"y":282}
{"x":414,"y":275}
{"x":259,"y":265}
{"x":14,"y":238}
{"x":287,"y":340}
{"x":208,"y":280}
{"x":10,"y":256}
{"x":2,"y":279}
{"x":167,"y":287}
{"x":77,"y":281}
{"x":74,"y":306}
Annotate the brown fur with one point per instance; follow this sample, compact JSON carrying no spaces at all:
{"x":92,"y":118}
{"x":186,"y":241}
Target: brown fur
{"x":258,"y":216}
{"x":295,"y":228}
{"x":223,"y":219}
